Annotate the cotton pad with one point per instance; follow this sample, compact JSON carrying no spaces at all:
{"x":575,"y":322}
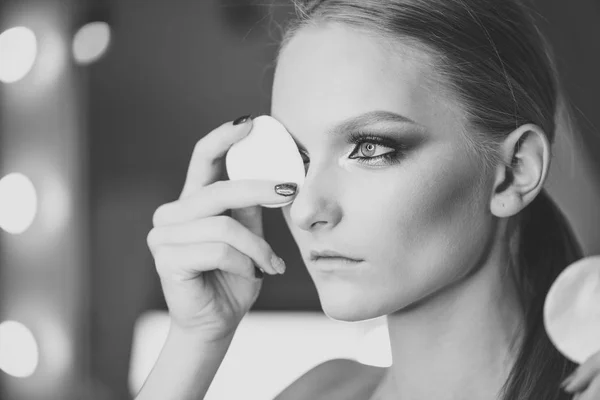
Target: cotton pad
{"x":268,"y":152}
{"x":572,"y":310}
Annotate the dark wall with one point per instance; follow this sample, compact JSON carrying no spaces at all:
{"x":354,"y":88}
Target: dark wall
{"x":179,"y":68}
{"x":573,"y":29}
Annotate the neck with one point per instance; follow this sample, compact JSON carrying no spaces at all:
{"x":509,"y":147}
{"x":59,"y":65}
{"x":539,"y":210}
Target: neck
{"x":459,"y":343}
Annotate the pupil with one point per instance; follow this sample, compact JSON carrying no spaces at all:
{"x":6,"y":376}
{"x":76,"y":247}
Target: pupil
{"x":370,"y":147}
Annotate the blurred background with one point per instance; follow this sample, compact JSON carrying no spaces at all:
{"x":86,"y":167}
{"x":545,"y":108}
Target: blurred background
{"x":101,"y":103}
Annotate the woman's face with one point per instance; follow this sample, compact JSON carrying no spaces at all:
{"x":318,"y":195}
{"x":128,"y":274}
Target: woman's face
{"x":419,"y":221}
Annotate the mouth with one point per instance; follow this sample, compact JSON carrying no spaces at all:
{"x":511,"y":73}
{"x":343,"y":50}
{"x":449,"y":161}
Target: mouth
{"x":326,"y":260}
{"x":331,"y":264}
{"x":336,"y":259}
{"x":330,"y":255}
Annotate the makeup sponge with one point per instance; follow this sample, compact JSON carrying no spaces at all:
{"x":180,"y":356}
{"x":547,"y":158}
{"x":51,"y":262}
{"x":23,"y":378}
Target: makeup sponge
{"x":572,"y":310}
{"x":268,"y":152}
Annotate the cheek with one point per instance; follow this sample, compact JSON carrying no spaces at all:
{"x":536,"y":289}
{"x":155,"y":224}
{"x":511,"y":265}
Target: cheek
{"x":426,"y":222}
{"x":443,"y":207}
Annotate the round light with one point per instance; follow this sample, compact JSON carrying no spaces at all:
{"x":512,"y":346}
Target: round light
{"x":18,"y":203}
{"x":91,"y":42}
{"x":18,"y":49}
{"x":18,"y":349}
{"x":572,"y":310}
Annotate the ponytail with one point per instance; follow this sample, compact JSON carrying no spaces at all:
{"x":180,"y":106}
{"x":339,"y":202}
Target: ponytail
{"x":546,"y":246}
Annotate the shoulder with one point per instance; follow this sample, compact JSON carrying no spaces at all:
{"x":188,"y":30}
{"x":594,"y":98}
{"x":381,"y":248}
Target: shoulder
{"x":334,"y":379}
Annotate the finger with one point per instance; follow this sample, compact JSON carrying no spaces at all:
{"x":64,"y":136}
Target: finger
{"x":204,"y":165}
{"x":219,"y":229}
{"x":187,"y":261}
{"x":585,"y":373}
{"x":218,"y":197}
{"x":592,"y":392}
{"x":251,"y":218}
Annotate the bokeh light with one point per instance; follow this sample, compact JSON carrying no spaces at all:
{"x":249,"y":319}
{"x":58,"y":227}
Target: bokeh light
{"x":91,"y":42}
{"x":18,"y":349}
{"x":18,"y":50}
{"x":18,"y":203}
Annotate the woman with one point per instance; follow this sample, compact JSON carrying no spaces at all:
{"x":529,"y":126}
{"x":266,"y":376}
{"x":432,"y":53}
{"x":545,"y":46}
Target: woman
{"x":426,"y":127}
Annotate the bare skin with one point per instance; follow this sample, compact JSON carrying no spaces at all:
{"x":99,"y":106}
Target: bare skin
{"x":430,"y":229}
{"x":339,"y":379}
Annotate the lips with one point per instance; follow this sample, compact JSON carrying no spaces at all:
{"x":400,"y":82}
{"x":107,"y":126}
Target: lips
{"x":336,"y":265}
{"x":336,"y":259}
{"x":331,"y":255}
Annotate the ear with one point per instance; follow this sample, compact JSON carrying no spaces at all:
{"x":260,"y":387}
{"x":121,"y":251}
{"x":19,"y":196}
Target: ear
{"x":526,"y":153}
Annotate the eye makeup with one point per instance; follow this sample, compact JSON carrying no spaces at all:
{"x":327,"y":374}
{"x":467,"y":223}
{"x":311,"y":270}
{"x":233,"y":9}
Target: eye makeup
{"x":389,"y":158}
{"x":360,"y":138}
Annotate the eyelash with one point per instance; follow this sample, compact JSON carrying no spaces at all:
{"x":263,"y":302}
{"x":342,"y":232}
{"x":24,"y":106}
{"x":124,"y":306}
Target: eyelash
{"x":390,"y":158}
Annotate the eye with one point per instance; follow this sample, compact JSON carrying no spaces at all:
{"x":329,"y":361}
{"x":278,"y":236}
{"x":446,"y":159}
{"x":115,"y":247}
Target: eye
{"x":367,"y":148}
{"x":305,"y":158}
{"x":367,"y":144}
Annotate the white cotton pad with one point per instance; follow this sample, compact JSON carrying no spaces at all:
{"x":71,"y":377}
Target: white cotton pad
{"x":572,"y":310}
{"x":267,"y":153}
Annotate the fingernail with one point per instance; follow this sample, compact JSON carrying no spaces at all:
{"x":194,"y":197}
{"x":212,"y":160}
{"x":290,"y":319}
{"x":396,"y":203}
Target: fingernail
{"x":258,"y":272}
{"x":564,"y":383}
{"x":278,"y":264}
{"x":286,"y":189}
{"x":568,"y":384}
{"x":242,"y":119}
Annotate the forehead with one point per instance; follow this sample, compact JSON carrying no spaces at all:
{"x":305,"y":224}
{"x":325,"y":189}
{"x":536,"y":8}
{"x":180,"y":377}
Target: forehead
{"x":332,"y":72}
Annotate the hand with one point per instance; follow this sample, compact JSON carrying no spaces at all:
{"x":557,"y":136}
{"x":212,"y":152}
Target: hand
{"x":585,"y":381}
{"x":206,"y":260}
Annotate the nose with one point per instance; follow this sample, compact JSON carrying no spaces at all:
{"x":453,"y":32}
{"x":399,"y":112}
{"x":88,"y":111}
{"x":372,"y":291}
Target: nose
{"x":316,"y":205}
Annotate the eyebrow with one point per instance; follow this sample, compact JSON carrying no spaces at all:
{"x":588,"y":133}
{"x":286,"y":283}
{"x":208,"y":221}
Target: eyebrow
{"x":362,"y":120}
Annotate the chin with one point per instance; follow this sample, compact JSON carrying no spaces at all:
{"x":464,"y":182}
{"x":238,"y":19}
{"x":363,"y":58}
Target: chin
{"x":348,"y":302}
{"x":344,"y":304}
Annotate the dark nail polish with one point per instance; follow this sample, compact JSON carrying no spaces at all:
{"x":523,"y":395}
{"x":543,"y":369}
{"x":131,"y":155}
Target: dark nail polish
{"x":242,"y":119}
{"x":286,"y":189}
{"x":258,"y":272}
